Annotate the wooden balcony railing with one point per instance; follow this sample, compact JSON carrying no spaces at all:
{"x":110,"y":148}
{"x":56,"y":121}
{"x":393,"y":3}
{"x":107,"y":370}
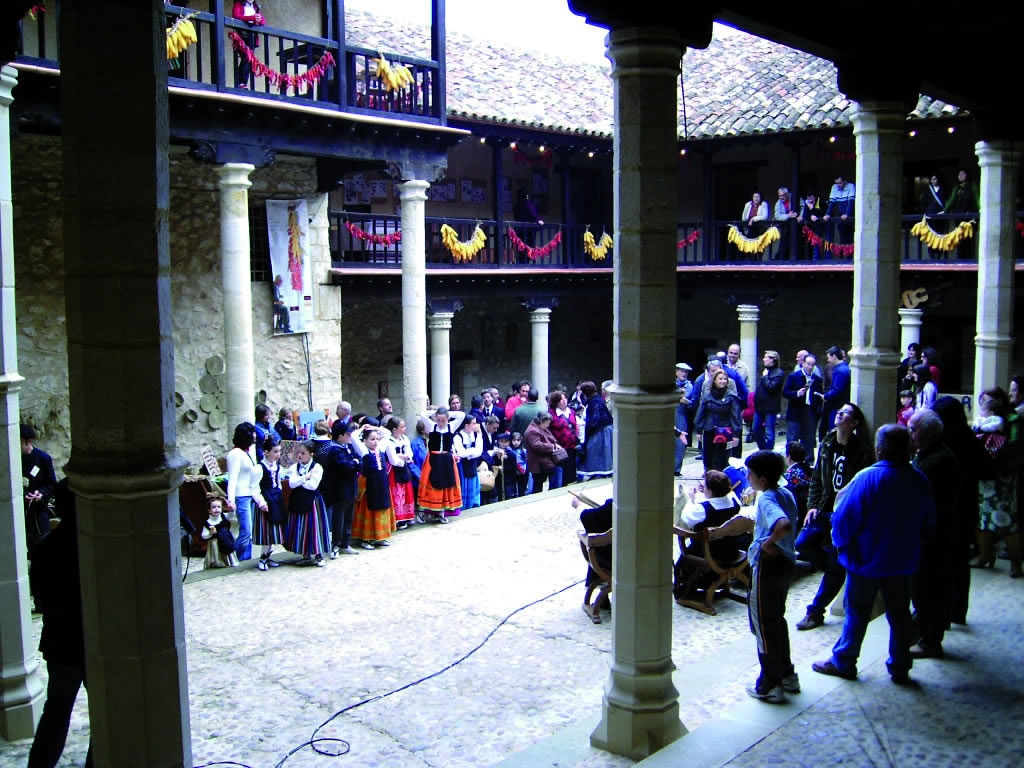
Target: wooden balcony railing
{"x":349,"y":252}
{"x":212,"y":64}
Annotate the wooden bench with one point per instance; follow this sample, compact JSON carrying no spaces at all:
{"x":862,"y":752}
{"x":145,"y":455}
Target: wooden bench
{"x":589,"y":543}
{"x":721,"y":574}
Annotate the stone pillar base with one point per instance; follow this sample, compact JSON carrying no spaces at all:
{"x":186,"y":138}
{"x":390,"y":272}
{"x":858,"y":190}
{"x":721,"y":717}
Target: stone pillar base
{"x":644,"y":731}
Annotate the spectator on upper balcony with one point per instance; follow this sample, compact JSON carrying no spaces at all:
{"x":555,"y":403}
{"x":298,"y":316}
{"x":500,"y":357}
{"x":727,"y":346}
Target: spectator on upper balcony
{"x":755,"y":216}
{"x":525,"y":209}
{"x":784,"y":208}
{"x":964,"y":198}
{"x":247,"y":11}
{"x":841,"y":202}
{"x":932,"y":198}
{"x":809,"y":216}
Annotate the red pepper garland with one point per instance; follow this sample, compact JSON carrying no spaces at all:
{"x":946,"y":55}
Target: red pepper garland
{"x":690,"y":239}
{"x":846,"y":251}
{"x":366,"y":237}
{"x":282,"y":80}
{"x":531,"y":252}
{"x":521,"y":158}
{"x":1020,"y":228}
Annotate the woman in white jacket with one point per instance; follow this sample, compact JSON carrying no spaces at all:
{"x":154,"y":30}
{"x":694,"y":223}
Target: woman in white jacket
{"x":244,"y":476}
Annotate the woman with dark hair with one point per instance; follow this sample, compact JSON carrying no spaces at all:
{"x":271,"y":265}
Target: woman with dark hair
{"x":718,"y":424}
{"x":541,"y":447}
{"x":244,"y":475}
{"x":923,"y":385}
{"x":970,"y":454}
{"x":930,"y":357}
{"x":998,"y":430}
{"x":597,"y":436}
{"x":1016,"y":394}
{"x":844,"y":452}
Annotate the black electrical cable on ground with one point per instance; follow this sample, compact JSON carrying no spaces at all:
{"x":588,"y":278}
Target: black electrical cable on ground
{"x":344,"y":746}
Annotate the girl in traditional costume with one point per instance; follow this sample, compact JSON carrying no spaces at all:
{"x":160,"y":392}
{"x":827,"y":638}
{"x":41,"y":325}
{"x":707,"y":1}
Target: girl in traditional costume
{"x":399,"y":453}
{"x":440,"y":492}
{"x":270,"y":520}
{"x":220,"y":547}
{"x":308,"y":532}
{"x":374,"y":518}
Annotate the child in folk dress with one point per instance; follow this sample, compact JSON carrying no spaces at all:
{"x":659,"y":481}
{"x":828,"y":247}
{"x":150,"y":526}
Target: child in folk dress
{"x":308,"y":533}
{"x":399,"y":453}
{"x":220,"y":547}
{"x":374,"y":519}
{"x":270,"y":518}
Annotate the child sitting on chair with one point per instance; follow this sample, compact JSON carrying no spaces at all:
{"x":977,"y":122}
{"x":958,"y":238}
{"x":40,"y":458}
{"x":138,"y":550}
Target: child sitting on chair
{"x":220,"y":547}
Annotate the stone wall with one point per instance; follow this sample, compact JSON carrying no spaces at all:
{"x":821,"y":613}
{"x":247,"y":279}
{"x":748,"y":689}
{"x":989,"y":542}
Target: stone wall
{"x":196,"y":291}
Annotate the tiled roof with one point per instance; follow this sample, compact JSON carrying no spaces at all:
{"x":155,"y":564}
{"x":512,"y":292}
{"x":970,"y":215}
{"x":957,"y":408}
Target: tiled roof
{"x":740,"y":85}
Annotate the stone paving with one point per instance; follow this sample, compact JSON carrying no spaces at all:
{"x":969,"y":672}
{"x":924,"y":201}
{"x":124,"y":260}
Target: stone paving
{"x":273,"y":655}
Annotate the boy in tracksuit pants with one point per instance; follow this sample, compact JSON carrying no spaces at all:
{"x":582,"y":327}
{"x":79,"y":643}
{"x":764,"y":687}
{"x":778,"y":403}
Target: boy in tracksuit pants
{"x":772,"y":556}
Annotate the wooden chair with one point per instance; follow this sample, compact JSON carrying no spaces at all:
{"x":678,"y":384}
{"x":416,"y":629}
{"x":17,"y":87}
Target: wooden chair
{"x":589,"y":542}
{"x":721,"y":573}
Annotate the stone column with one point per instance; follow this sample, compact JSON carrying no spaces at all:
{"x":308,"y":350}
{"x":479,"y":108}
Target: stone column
{"x":910,"y":327}
{"x":640,"y":711}
{"x":240,"y":374}
{"x":21,"y":690}
{"x":440,"y":324}
{"x":749,"y":314}
{"x":414,"y":299}
{"x":1000,"y":163}
{"x":878,"y":128}
{"x":540,"y":319}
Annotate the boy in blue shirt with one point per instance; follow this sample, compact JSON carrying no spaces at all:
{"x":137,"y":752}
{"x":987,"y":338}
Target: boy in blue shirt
{"x":772,"y":556}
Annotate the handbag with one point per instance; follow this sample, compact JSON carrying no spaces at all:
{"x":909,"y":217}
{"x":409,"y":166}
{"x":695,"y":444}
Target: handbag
{"x":486,"y":477}
{"x":559,"y":454}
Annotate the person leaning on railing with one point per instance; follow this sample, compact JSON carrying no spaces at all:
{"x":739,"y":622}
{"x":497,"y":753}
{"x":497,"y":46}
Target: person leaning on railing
{"x":247,"y":11}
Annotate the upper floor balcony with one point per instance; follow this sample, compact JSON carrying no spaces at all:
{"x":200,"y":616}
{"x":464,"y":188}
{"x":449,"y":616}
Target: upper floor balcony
{"x":302,"y":57}
{"x":363,"y":242}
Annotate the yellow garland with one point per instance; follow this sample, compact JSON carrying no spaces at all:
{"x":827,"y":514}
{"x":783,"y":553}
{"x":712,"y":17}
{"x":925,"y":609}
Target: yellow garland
{"x":392,"y":77}
{"x":180,"y":35}
{"x":946,"y":242}
{"x":597,"y":250}
{"x":753,"y":244}
{"x":463,"y":251}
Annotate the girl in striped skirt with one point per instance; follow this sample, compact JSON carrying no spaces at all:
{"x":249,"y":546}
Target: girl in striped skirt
{"x":374,"y":517}
{"x":308,"y":531}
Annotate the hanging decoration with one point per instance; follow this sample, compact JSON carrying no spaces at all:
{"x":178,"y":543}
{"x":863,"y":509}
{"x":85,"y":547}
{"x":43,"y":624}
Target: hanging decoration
{"x":35,"y":10}
{"x":938,"y":242}
{"x":533,"y":253}
{"x":463,"y":251}
{"x":295,"y":252}
{"x":597,"y":250}
{"x":845,"y":251}
{"x":689,"y":240}
{"x":367,"y":237}
{"x":180,"y":35}
{"x":521,"y":158}
{"x":754,"y":244}
{"x":1020,"y":228}
{"x":282,"y":80}
{"x":394,"y":77}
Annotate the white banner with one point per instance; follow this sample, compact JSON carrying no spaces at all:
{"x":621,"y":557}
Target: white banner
{"x":288,"y":229}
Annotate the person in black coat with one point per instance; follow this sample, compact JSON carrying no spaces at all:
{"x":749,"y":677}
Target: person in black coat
{"x":768,"y":401}
{"x":802,"y":390}
{"x":38,"y":482}
{"x":56,"y":589}
{"x":345,"y":487}
{"x":597,"y":520}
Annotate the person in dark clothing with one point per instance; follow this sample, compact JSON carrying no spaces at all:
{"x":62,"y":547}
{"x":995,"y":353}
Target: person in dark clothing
{"x":343,"y":487}
{"x":38,"y":481}
{"x":932,"y":584}
{"x":56,"y":589}
{"x":597,"y":520}
{"x":768,"y":401}
{"x":974,"y":464}
{"x":964,"y":202}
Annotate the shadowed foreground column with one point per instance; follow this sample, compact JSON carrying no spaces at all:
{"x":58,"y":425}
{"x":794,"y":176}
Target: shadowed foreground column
{"x":124,"y":466}
{"x":640,"y":712}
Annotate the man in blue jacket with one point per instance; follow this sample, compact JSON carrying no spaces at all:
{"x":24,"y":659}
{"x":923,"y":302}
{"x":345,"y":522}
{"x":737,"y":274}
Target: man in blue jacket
{"x":879,"y":523}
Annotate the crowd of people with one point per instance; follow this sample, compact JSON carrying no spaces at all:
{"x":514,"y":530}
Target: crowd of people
{"x":360,"y":477}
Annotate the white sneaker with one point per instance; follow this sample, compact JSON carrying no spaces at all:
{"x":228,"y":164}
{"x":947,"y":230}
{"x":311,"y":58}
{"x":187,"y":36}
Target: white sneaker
{"x":791,"y":683}
{"x":366,"y":545}
{"x":348,"y":551}
{"x":320,"y":562}
{"x":334,"y":552}
{"x":775,"y":696}
{"x":383,"y":543}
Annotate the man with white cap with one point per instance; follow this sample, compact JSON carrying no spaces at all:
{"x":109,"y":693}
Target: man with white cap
{"x":685,"y":388}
